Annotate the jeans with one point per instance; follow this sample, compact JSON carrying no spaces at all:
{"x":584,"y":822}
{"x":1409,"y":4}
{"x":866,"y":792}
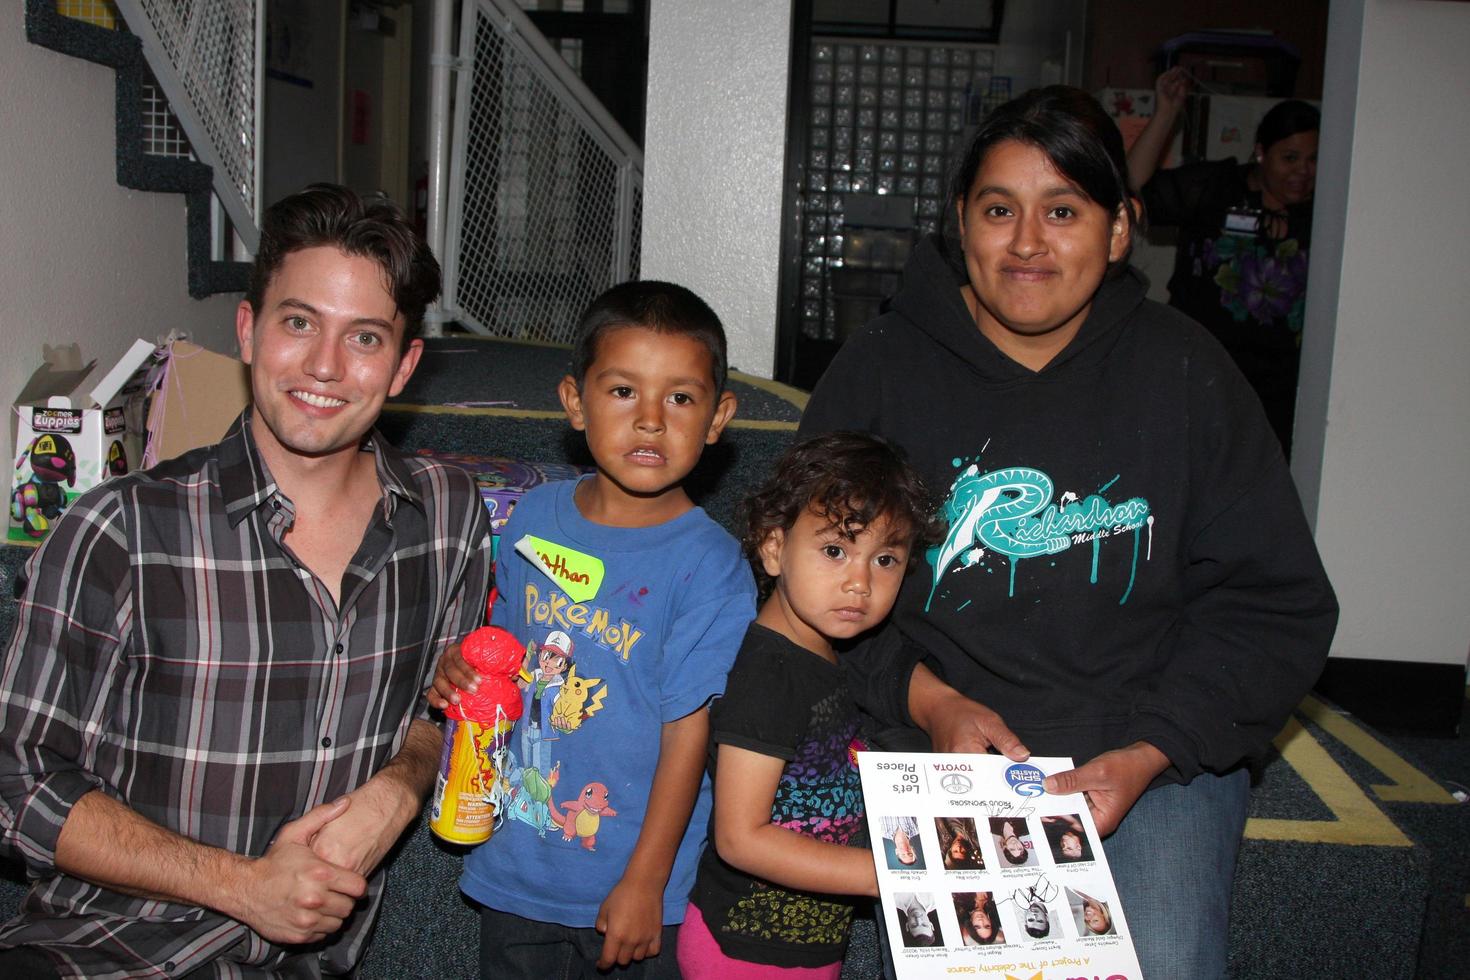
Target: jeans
{"x":513,"y":948}
{"x":1173,"y":859}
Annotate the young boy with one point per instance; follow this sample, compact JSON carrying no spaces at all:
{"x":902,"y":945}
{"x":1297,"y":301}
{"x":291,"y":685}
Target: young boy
{"x":656,"y":598}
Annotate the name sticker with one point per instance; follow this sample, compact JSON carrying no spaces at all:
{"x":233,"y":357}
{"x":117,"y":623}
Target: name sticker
{"x":578,"y":574}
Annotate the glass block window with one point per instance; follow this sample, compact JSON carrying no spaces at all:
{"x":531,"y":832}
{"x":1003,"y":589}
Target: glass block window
{"x":884,"y":118}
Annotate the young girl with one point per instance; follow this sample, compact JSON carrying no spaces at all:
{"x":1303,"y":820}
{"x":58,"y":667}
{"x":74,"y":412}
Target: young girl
{"x":830,"y":534}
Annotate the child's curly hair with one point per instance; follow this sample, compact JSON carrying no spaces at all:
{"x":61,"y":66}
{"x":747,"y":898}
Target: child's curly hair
{"x":850,"y":478}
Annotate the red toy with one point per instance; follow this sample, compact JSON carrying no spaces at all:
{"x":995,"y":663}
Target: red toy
{"x":496,"y":656}
{"x":468,"y":794}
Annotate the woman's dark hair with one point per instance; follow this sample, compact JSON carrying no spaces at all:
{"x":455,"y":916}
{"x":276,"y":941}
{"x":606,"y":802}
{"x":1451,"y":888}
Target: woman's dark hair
{"x":367,"y":227}
{"x":966,"y":906}
{"x":1287,"y":119}
{"x":662,"y":307}
{"x":850,"y":478}
{"x":1078,"y":137}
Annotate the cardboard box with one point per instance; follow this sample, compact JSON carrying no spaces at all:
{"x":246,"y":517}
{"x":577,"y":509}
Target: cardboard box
{"x":502,"y":481}
{"x":198,"y":395}
{"x":74,"y":429}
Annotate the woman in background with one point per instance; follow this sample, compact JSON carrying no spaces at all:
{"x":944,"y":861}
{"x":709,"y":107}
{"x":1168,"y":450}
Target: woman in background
{"x":1244,"y":232}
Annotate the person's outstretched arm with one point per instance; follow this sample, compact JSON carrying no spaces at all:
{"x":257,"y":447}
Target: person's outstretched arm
{"x":745,"y":789}
{"x":1170,"y":90}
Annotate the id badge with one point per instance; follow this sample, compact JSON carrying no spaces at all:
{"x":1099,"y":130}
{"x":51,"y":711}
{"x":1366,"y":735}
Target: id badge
{"x":1245,"y":222}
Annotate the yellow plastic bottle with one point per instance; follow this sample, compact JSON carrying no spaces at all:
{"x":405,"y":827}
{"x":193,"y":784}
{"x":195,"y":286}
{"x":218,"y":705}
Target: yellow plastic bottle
{"x":462,"y":812}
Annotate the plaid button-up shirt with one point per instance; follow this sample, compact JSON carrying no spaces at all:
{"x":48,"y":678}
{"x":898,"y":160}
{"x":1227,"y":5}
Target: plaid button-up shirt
{"x":171,"y":652}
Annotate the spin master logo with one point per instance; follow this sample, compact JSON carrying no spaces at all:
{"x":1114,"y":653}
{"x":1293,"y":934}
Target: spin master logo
{"x":1025,"y":780}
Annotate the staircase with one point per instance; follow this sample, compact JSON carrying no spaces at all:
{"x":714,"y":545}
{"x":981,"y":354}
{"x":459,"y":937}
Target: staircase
{"x":150,"y":157}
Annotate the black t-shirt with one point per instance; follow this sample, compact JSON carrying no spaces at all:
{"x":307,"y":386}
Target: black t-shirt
{"x":787,"y":702}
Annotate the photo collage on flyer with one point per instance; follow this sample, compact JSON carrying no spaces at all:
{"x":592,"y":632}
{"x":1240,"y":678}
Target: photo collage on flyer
{"x":981,"y":871}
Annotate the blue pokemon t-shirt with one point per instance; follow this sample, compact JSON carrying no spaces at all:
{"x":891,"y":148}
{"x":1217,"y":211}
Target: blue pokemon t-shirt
{"x":625,"y":629}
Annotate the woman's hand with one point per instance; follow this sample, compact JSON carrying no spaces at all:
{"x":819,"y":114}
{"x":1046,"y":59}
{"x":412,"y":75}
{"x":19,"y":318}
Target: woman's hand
{"x":956,"y":723}
{"x":1112,"y":782}
{"x":1172,"y":88}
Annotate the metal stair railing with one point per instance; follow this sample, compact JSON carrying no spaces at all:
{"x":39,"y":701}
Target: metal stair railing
{"x":545,"y":188}
{"x":206,"y":56}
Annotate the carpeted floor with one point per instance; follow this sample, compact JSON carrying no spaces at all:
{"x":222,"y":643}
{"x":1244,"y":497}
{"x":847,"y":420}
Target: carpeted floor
{"x":1355,"y":862}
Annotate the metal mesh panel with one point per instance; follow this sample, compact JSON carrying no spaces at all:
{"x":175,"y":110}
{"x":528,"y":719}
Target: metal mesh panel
{"x":203,"y":53}
{"x":547,"y":209}
{"x":162,"y":134}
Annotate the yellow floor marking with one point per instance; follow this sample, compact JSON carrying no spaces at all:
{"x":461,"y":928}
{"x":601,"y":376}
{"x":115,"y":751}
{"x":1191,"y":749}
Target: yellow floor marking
{"x":1358,"y":820}
{"x":769,"y":425}
{"x":795,"y":396}
{"x":1409,"y":784}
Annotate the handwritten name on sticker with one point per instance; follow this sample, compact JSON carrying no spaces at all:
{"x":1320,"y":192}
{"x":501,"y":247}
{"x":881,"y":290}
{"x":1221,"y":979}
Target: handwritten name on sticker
{"x":579,"y":574}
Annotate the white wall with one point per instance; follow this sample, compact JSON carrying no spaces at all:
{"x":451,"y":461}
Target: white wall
{"x":84,"y":259}
{"x":293,"y":111}
{"x":713,"y":156}
{"x":1387,"y":355}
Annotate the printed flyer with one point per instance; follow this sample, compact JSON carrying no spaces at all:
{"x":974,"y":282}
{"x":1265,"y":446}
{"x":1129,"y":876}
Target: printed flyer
{"x":984,"y":873}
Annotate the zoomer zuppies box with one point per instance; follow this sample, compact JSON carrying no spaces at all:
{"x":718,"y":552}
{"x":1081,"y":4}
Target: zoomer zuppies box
{"x":75,"y":427}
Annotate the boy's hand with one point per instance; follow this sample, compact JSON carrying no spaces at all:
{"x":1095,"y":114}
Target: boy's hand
{"x":631,"y":921}
{"x":451,"y":672}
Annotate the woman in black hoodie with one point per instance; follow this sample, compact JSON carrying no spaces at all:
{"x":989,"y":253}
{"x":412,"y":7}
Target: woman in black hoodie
{"x":1128,"y":578}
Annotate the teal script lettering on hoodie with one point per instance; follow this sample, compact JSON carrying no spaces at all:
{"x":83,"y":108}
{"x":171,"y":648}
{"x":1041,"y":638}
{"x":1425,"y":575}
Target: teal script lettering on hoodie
{"x":1010,"y":512}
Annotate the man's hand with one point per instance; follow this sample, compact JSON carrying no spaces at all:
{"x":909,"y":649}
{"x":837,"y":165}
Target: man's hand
{"x":383,"y":806}
{"x":631,"y":921}
{"x":358,"y":839}
{"x":451,"y":672}
{"x":956,"y":723}
{"x":1112,"y":782}
{"x":289,"y":895}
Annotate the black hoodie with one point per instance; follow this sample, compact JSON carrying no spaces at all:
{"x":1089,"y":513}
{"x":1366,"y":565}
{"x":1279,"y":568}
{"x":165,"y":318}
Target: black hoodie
{"x":1127,"y":557}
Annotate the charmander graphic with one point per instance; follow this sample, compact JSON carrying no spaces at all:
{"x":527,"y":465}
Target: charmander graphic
{"x":583,"y":817}
{"x":1010,"y":512}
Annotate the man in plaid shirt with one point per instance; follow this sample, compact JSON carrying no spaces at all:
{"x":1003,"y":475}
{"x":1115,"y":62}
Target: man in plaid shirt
{"x":211,"y":728}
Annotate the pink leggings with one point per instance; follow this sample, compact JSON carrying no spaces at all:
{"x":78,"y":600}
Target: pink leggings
{"x":700,"y":957}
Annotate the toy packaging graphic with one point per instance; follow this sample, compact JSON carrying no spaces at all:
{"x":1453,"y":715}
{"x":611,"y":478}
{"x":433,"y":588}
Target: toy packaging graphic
{"x":73,"y":430}
{"x":503,"y":481}
{"x":472,"y":784}
{"x":982,"y":872}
